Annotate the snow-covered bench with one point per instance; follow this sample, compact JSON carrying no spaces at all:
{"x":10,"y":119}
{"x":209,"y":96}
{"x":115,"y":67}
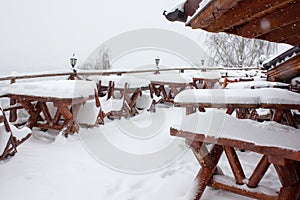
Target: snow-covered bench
{"x":10,"y":137}
{"x":277,"y":144}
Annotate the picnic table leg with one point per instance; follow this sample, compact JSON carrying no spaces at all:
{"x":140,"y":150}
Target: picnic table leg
{"x":278,"y":115}
{"x":235,"y":165}
{"x":291,"y":119}
{"x":69,"y":123}
{"x":34,"y":112}
{"x":259,"y":172}
{"x":290,"y":181}
{"x":208,"y":162}
{"x":190,"y":110}
{"x":229,"y":111}
{"x":13,"y":112}
{"x":46,"y":112}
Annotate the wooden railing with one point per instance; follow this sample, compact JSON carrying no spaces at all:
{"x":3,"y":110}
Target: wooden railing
{"x":13,"y":78}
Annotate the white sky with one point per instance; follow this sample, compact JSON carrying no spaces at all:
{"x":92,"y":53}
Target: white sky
{"x":41,"y":35}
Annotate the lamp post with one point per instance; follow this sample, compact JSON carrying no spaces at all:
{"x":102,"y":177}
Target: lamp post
{"x":73,"y":62}
{"x":202,"y":62}
{"x":156,"y":63}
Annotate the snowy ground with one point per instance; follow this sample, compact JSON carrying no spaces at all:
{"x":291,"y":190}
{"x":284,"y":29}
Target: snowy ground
{"x":133,"y":159}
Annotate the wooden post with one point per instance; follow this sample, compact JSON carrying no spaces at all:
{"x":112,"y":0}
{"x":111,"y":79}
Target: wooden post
{"x":13,"y":112}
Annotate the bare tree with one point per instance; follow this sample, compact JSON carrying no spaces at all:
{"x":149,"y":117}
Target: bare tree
{"x":100,"y":60}
{"x":233,"y":51}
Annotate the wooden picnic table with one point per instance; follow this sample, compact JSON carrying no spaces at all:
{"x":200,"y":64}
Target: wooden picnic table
{"x":50,"y":102}
{"x":244,"y":101}
{"x":122,"y":88}
{"x":206,"y":80}
{"x":206,"y":83}
{"x":167,"y":86}
{"x":276,"y":144}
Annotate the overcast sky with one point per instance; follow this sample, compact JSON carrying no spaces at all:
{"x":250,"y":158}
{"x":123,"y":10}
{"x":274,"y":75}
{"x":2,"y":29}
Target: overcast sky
{"x":41,"y":35}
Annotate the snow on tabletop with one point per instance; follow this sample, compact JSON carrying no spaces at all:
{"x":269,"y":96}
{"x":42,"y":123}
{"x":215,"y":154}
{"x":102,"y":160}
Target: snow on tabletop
{"x":220,"y":125}
{"x":208,"y":75}
{"x":278,"y":96}
{"x":58,"y":89}
{"x":170,"y":78}
{"x":255,"y":84}
{"x":4,"y":138}
{"x":238,"y":96}
{"x":217,"y":96}
{"x":120,"y":81}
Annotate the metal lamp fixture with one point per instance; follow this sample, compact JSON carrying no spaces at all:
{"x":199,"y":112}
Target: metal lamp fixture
{"x":202,"y":62}
{"x":156,"y":63}
{"x":73,"y":62}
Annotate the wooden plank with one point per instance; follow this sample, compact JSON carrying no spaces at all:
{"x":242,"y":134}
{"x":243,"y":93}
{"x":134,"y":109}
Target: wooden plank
{"x":230,"y":187}
{"x":209,"y":15}
{"x":273,"y":21}
{"x":285,"y":71}
{"x":246,"y":11}
{"x":283,"y":34}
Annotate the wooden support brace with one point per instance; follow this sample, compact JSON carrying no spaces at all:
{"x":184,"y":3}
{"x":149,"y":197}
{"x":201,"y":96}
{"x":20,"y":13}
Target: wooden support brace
{"x":259,"y":172}
{"x":235,"y":165}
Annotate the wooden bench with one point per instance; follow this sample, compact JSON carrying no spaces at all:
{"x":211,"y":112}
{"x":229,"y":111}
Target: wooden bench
{"x":277,"y":146}
{"x":10,"y":137}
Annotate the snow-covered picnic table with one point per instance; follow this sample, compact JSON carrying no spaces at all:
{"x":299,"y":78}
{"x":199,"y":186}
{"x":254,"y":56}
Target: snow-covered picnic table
{"x":168,"y":86}
{"x":120,"y":81}
{"x":213,"y":133}
{"x":256,"y":84}
{"x":280,"y":100}
{"x":47,"y":102}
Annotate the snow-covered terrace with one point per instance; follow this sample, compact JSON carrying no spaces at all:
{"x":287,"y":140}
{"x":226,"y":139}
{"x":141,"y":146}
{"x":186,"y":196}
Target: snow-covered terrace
{"x":133,"y":158}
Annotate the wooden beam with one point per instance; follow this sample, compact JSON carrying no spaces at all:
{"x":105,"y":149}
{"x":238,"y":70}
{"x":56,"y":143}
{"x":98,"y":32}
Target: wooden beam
{"x":214,"y":10}
{"x":284,"y":34}
{"x":190,"y":7}
{"x":295,"y":40}
{"x":286,"y":70}
{"x":246,"y":11}
{"x":271,"y":22}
